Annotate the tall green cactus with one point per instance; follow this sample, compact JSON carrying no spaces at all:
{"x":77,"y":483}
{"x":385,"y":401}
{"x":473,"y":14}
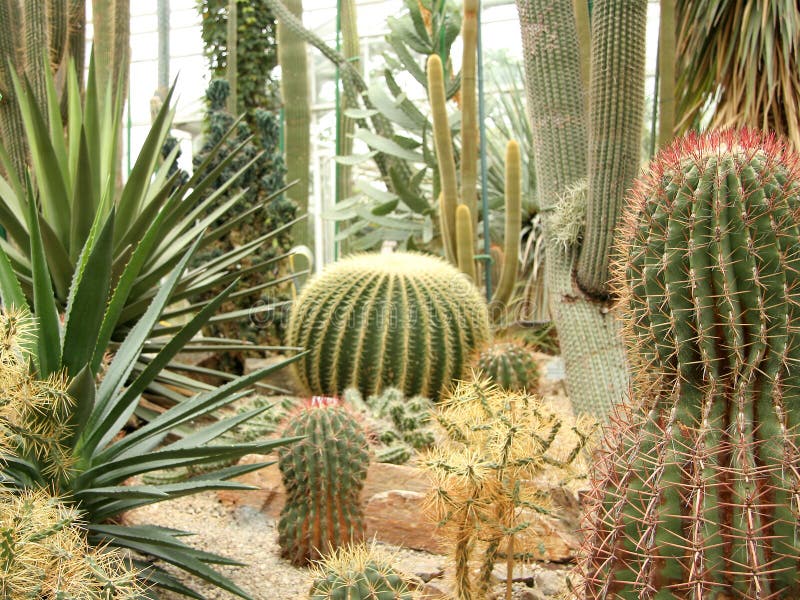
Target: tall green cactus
{"x":571,"y":148}
{"x":323,"y":475}
{"x":458,"y":206}
{"x":697,"y":495}
{"x":373,"y":321}
{"x":297,"y":115}
{"x":33,"y":32}
{"x":112,"y":40}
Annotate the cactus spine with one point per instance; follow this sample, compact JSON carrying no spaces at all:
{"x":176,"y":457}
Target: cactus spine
{"x":323,"y":475}
{"x":373,"y":321}
{"x":358,"y":573}
{"x":594,"y":357}
{"x":510,"y":365}
{"x":297,"y":115}
{"x":697,"y":492}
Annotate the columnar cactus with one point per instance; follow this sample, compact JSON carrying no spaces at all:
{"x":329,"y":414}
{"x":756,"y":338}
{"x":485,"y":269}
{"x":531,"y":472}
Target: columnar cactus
{"x":358,"y":573}
{"x":697,"y":495}
{"x":323,"y":475}
{"x":510,"y":365}
{"x":373,"y":321}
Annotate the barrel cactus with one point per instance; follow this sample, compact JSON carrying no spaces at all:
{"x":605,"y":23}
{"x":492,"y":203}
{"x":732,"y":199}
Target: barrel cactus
{"x":697,"y":494}
{"x":323,"y":475}
{"x":510,"y":364}
{"x":358,"y":573}
{"x":373,"y":321}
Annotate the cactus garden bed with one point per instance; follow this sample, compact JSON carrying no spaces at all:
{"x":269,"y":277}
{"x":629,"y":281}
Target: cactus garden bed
{"x":243,"y":526}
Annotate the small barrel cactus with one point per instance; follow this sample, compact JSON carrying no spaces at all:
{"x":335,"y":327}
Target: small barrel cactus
{"x":510,"y":364}
{"x":697,"y":494}
{"x":358,"y":573}
{"x":323,"y":475}
{"x":373,"y":321}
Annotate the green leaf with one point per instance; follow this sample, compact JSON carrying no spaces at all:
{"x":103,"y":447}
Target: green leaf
{"x":55,"y":204}
{"x":408,"y":191}
{"x":82,"y":390}
{"x":355,"y":159}
{"x":44,"y":305}
{"x":387,"y":146}
{"x":89,"y":291}
{"x":385,"y":208}
{"x":10,"y":291}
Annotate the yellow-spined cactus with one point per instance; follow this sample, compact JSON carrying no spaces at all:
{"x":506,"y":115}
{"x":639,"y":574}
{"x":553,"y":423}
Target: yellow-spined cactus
{"x":373,"y":321}
{"x":482,"y":496}
{"x":44,"y":555}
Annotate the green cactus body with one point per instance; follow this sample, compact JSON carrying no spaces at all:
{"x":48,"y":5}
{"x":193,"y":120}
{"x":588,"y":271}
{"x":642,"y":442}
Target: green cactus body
{"x":398,"y":454}
{"x":410,"y":417}
{"x":696,"y":497}
{"x":358,"y":574}
{"x":323,"y":475}
{"x":373,"y":321}
{"x":510,"y":365}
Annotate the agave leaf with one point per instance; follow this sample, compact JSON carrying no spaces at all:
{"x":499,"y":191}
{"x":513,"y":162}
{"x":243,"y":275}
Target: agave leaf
{"x":186,"y":559}
{"x":82,"y":390}
{"x":48,"y":334}
{"x":10,"y":290}
{"x":89,"y":290}
{"x":161,"y":579}
{"x":124,"y":360}
{"x":55,"y":204}
{"x":191,"y":409}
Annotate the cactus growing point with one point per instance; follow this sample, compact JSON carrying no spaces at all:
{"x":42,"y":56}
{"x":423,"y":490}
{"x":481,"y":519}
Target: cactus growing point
{"x":697,"y":494}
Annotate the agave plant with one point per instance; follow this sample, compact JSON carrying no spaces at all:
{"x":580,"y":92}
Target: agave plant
{"x":72,"y":231}
{"x":90,"y":459}
{"x":102,"y":270}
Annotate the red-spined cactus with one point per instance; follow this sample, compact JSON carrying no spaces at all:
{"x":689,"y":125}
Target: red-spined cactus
{"x":698,"y":494}
{"x":323,"y":475}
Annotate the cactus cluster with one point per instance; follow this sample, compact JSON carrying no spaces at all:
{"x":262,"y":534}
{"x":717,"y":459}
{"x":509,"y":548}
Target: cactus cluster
{"x":374,"y":321}
{"x":323,"y":475}
{"x":409,"y":417}
{"x":510,"y":364}
{"x":458,"y":210}
{"x":696,"y":496}
{"x":359,"y":573}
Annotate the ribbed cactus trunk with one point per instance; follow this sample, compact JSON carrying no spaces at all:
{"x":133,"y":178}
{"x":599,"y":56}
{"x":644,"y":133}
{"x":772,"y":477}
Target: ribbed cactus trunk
{"x":351,"y":49}
{"x":232,"y":62}
{"x":35,"y":32}
{"x":697,"y":494}
{"x":594,"y":358}
{"x":616,"y":114}
{"x":297,"y":117}
{"x":323,"y":475}
{"x":112,"y":39}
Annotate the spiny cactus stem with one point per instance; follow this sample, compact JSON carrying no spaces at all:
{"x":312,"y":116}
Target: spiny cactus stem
{"x":444,"y":156}
{"x":465,"y":240}
{"x":513,"y":220}
{"x":469,"y":126}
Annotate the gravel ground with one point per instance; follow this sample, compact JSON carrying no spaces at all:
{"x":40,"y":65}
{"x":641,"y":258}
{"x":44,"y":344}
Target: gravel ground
{"x":246,"y":535}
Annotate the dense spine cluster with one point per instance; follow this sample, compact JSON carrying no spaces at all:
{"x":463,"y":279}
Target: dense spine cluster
{"x":510,"y":365}
{"x":373,"y":321}
{"x":323,"y":475}
{"x":697,"y":495}
{"x":358,"y":573}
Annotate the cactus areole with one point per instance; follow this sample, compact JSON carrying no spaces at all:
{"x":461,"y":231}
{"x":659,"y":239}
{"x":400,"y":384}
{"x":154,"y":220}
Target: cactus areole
{"x":373,"y":321}
{"x":698,"y":494}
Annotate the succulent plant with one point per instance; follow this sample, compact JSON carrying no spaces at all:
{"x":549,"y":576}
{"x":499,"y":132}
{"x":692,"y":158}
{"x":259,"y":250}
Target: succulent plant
{"x":323,"y":475}
{"x":373,"y":321}
{"x":696,"y":495}
{"x":409,"y":417}
{"x":358,"y":573}
{"x":510,"y":364}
